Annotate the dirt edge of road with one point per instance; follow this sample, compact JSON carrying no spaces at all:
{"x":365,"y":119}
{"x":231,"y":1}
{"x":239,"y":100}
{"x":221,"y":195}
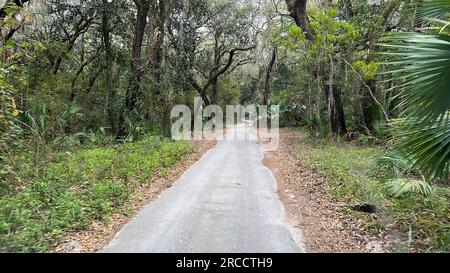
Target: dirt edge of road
{"x":100,"y":234}
{"x":309,"y":206}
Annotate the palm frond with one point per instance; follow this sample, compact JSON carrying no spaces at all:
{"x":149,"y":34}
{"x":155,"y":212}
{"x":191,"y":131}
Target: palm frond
{"x":39,"y":110}
{"x":428,"y":143}
{"x":72,"y":110}
{"x":423,"y":66}
{"x":435,"y":9}
{"x":395,"y":163}
{"x":398,"y":187}
{"x":29,"y":122}
{"x":70,"y":140}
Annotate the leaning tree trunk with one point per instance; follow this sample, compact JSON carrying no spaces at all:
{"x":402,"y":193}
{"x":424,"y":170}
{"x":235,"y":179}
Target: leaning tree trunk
{"x":269,"y":76}
{"x":297,"y":10}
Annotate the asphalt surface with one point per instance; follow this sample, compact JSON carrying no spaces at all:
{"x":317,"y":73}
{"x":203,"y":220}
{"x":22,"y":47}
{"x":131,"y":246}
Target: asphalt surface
{"x":226,"y":202}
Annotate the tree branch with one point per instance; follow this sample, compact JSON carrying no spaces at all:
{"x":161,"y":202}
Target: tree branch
{"x":361,"y":78}
{"x":225,"y":68}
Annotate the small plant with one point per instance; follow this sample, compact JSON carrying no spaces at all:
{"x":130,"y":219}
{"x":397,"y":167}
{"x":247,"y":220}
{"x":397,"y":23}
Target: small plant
{"x":367,"y":140}
{"x":399,"y":187}
{"x":136,"y":132}
{"x":36,"y":122}
{"x":70,"y":140}
{"x":381,"y":130}
{"x":100,"y":138}
{"x":394,"y":164}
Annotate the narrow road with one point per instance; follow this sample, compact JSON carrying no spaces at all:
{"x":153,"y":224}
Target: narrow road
{"x":226,"y":202}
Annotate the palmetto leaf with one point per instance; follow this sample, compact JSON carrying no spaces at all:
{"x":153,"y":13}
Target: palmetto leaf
{"x":395,"y":162}
{"x":423,"y":66}
{"x":29,"y":122}
{"x":435,"y":8}
{"x":66,"y":115}
{"x":72,"y":110}
{"x":428,"y":143}
{"x":36,"y":125}
{"x":398,"y":187}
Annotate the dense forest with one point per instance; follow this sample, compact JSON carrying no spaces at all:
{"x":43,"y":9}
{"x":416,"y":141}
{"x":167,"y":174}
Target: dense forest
{"x":87,"y":88}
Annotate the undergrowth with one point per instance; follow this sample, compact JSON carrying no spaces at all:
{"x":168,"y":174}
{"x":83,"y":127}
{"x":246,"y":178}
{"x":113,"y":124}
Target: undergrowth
{"x":354,"y":177}
{"x":72,"y":189}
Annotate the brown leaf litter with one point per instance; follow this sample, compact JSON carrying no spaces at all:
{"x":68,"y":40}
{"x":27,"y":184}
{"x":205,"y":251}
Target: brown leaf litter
{"x":324,"y":225}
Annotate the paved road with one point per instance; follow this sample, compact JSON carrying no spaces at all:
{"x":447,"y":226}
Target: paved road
{"x":226,"y":202}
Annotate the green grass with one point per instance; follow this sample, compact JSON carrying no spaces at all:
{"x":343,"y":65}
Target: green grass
{"x":75,"y":188}
{"x":349,"y":169}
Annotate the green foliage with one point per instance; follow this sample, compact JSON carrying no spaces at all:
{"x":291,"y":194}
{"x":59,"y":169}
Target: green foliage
{"x":399,"y":187}
{"x":408,"y":202}
{"x":12,"y":82}
{"x":36,"y":122}
{"x":101,"y":138}
{"x":427,"y":144}
{"x":435,"y":9}
{"x":394,"y":164}
{"x":76,"y":188}
{"x":290,"y":37}
{"x":343,"y":165}
{"x":329,"y":30}
{"x":422,"y":64}
{"x":381,"y":130}
{"x":369,"y":70}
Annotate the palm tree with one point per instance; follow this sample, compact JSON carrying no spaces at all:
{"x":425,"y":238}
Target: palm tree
{"x":422,"y":67}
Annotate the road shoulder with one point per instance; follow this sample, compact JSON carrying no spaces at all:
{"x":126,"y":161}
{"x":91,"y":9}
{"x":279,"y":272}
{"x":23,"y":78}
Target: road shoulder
{"x":310,"y":207}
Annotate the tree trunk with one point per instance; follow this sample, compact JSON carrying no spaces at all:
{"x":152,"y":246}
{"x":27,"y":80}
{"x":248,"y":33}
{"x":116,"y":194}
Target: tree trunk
{"x":336,"y":112}
{"x":368,"y":105}
{"x":136,"y":64}
{"x":216,"y":64}
{"x":269,"y":76}
{"x":297,"y":10}
{"x":339,"y":110}
{"x":335,"y":107}
{"x":93,"y":79}
{"x":133,"y":90}
{"x":73,"y":92}
{"x":161,"y":87}
{"x":159,"y":54}
{"x":110,"y":93}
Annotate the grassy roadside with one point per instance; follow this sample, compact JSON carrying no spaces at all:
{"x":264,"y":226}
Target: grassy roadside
{"x":424,"y":222}
{"x":73,"y":189}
